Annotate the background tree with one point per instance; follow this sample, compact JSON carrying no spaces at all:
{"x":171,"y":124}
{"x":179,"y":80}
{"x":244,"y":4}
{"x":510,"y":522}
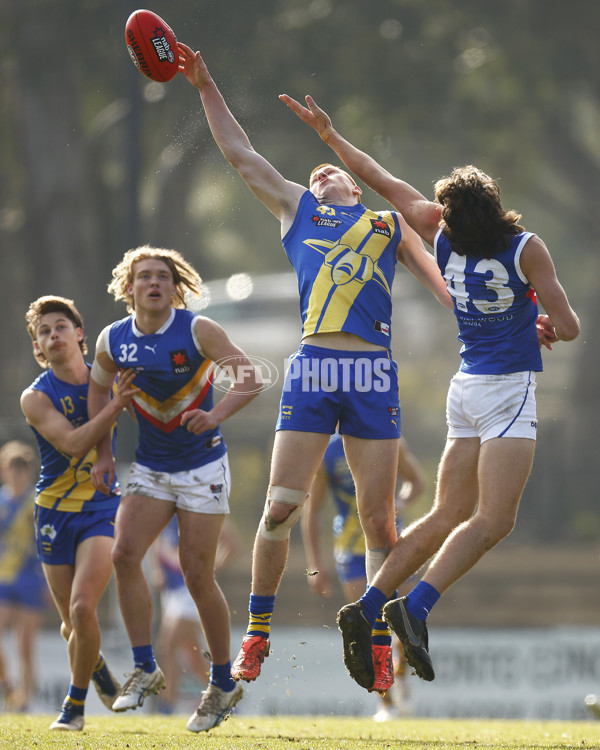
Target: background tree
{"x":95,"y":159}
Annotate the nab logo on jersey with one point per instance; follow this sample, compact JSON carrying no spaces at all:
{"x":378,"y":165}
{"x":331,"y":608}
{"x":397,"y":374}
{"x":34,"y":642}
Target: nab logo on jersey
{"x":180,"y":362}
{"x":380,"y":227}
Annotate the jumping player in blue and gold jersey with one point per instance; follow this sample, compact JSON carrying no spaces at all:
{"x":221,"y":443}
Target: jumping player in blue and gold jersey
{"x":495,"y":272}
{"x":344,"y":256}
{"x":74,"y":522}
{"x":181,"y":464}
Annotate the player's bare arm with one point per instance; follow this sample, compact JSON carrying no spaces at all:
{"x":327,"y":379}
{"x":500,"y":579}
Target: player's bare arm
{"x":56,"y":428}
{"x":246,"y":386}
{"x":421,"y":264}
{"x":538,"y":267}
{"x":279,"y":195}
{"x":422,"y":215}
{"x":104,"y":372}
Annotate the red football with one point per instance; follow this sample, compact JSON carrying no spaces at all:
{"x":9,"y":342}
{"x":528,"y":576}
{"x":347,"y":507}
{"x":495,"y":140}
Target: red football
{"x":152,"y":45}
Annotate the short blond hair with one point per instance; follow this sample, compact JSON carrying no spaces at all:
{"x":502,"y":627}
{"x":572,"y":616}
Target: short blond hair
{"x":185,"y":277}
{"x":343,"y":171}
{"x":48,"y":304}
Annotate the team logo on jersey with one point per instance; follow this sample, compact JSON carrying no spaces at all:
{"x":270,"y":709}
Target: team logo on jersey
{"x":49,"y":531}
{"x":380,"y":227}
{"x":393,"y":410}
{"x":180,"y":362}
{"x":326,"y":221}
{"x":286,"y":412}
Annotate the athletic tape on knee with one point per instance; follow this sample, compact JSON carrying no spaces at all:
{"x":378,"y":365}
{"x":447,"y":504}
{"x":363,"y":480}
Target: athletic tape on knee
{"x":374,"y":559}
{"x":277,"y":531}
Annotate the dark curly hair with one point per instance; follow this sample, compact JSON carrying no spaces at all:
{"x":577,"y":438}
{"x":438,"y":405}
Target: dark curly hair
{"x":474,"y":221}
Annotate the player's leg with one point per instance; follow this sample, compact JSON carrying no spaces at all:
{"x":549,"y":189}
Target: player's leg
{"x":198,"y":541}
{"x":374,"y":466}
{"x":6,"y":617}
{"x":504,"y":467}
{"x":166,"y":650}
{"x":455,"y":501}
{"x":28,"y":622}
{"x":93,"y":570}
{"x":503,"y":413}
{"x":139,"y":521}
{"x":295,"y":460}
{"x":191,"y":643}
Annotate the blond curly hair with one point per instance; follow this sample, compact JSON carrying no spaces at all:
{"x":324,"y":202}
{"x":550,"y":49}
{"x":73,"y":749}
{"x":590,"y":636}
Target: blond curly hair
{"x":185,"y":277}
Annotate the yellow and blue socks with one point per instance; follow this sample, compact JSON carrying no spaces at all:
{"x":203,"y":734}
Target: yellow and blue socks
{"x":260,"y":609}
{"x":75,"y":700}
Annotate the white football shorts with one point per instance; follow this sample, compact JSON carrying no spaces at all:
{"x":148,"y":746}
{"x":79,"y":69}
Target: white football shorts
{"x":201,"y":490}
{"x":492,"y":406}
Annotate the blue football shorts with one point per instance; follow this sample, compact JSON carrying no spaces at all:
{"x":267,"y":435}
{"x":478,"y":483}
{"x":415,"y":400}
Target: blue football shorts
{"x":358,"y":390}
{"x":350,"y":568}
{"x":59,"y":533}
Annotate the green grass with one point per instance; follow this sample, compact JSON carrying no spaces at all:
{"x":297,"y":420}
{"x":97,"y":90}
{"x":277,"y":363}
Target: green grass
{"x":150,"y":732}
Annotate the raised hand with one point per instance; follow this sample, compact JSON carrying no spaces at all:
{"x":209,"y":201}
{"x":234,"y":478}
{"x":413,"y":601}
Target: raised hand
{"x":312,"y":115}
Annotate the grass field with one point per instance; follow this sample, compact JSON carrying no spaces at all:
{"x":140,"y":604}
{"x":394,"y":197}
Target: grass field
{"x":149,"y":732}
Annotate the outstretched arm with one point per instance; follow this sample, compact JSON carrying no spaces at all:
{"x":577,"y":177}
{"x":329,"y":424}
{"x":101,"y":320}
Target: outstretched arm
{"x":422,"y":215}
{"x":279,"y":195}
{"x":421,"y":263}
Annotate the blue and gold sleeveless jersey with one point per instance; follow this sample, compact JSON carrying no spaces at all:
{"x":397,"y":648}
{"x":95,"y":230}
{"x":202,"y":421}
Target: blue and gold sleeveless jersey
{"x":173,"y":377}
{"x":344,"y":258}
{"x":348,"y":537}
{"x":18,"y":551}
{"x":65,"y":482}
{"x":495,"y":307}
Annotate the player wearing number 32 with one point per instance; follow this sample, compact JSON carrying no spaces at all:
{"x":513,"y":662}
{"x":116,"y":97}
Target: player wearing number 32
{"x":181,"y":463}
{"x":491,"y":267}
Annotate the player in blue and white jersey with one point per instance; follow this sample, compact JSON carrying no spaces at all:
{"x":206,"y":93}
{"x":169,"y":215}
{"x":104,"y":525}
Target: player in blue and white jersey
{"x":495,"y":271}
{"x":74,"y":522}
{"x":181,"y":464}
{"x":344,"y":257}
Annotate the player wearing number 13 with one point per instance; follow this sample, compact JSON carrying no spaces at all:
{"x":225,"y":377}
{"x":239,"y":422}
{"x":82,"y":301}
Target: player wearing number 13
{"x":491,"y":267}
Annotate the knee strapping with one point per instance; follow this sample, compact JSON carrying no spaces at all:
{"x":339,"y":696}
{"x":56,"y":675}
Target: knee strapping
{"x":271,"y":528}
{"x":374,"y":559}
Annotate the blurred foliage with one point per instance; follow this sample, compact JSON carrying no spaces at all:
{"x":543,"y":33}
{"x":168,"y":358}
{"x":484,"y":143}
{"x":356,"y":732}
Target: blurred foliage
{"x":94,"y":159}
